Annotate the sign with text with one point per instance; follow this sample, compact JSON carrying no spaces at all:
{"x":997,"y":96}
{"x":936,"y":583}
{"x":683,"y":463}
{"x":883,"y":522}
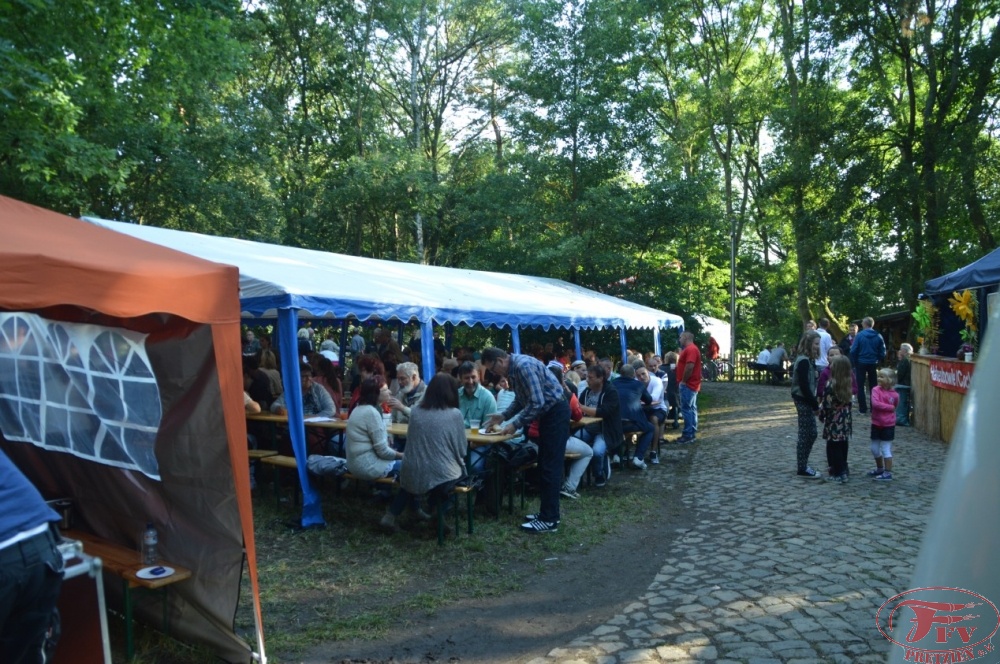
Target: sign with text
{"x":954,"y":376}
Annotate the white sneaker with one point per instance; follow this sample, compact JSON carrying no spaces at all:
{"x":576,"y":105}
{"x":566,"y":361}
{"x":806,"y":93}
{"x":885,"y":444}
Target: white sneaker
{"x":388,"y":522}
{"x":568,"y":493}
{"x":638,"y":463}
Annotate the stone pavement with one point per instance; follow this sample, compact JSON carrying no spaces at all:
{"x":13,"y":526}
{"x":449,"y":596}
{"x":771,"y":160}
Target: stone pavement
{"x":778,"y":568}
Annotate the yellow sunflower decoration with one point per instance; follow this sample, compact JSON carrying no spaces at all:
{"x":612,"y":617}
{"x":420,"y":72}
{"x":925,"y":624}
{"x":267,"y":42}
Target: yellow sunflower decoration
{"x":964,"y":307}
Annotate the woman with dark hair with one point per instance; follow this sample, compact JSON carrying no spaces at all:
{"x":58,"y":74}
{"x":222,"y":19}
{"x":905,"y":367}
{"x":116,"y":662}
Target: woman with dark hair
{"x":435,"y":450}
{"x":269,"y":365}
{"x":326,"y":375}
{"x":369,"y":455}
{"x":256,"y":383}
{"x":368,"y":366}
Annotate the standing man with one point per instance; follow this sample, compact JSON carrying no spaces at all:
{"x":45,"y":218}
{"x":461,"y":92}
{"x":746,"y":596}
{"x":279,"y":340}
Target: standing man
{"x":689,"y":380}
{"x":32,"y":566}
{"x":825,"y":342}
{"x":538,"y":395}
{"x":357,"y":344}
{"x":866,"y":353}
{"x":848,"y":340}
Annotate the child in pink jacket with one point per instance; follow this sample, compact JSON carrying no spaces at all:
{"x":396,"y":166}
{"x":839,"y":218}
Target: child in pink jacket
{"x":884,"y":402}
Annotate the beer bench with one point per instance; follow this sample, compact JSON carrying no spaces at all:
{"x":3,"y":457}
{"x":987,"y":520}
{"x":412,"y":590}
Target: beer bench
{"x":124,"y":562}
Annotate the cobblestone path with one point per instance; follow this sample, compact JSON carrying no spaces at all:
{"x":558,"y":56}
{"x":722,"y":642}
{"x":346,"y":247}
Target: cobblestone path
{"x":778,"y":568}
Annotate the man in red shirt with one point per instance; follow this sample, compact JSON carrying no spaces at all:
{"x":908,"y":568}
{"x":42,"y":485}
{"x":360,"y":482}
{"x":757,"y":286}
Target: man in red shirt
{"x":689,"y":381}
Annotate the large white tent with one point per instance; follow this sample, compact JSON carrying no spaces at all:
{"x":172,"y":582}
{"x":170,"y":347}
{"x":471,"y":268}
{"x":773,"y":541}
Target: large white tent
{"x":287,"y":283}
{"x":320,"y":284}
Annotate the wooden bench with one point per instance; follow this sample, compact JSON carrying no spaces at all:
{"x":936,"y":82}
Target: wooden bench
{"x":279,"y":461}
{"x":124,"y":562}
{"x":257,"y":455}
{"x":442,"y":507}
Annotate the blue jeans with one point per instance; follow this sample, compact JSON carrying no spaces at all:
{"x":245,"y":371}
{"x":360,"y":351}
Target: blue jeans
{"x":646,"y":431}
{"x":689,"y":411}
{"x":553,"y":432}
{"x":403,"y":500}
{"x":596,"y":441}
{"x":862,"y":372}
{"x":903,"y":408}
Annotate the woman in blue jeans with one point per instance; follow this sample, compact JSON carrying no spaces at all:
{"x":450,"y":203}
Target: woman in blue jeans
{"x":600,"y":399}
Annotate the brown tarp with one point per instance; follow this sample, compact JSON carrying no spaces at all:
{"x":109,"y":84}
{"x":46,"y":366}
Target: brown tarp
{"x":66,"y":269}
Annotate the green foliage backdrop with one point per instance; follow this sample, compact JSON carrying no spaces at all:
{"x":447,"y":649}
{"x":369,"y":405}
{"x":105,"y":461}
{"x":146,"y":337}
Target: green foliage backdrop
{"x":848,"y":150}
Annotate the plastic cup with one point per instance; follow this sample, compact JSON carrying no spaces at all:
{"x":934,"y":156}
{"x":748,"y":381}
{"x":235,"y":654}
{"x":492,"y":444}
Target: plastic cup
{"x":475,"y":424}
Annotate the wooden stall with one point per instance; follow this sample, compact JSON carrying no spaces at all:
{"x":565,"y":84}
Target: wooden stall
{"x":938,"y":389}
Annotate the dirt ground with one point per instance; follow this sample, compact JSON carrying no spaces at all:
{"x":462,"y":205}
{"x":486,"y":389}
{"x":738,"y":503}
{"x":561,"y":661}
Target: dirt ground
{"x":573,"y":596}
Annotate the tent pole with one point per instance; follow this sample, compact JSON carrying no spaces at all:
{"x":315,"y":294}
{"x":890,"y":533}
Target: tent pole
{"x":576,"y":343}
{"x":343,"y":345}
{"x":624,"y":342}
{"x":428,"y":365}
{"x":312,"y":512}
{"x":515,"y":339}
{"x":656,"y":342}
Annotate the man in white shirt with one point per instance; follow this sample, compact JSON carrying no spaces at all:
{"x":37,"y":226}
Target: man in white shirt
{"x":764,"y":358}
{"x":656,"y":411}
{"x":825,"y":341}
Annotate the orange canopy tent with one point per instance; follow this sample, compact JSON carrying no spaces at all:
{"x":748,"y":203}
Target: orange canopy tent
{"x":186,"y":310}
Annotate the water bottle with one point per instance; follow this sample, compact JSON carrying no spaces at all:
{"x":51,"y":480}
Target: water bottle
{"x":149,"y":542}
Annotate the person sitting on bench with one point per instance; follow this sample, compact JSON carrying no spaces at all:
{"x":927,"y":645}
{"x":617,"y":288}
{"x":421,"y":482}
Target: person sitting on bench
{"x":762,"y":360}
{"x":776,"y":362}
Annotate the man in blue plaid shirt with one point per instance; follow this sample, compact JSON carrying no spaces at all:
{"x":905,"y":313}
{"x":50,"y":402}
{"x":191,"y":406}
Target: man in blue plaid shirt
{"x":538,"y":396}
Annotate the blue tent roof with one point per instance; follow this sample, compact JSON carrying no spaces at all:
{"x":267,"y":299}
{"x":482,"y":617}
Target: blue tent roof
{"x":983,"y":272}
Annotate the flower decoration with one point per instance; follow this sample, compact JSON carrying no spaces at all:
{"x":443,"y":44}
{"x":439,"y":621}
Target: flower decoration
{"x":966,"y":308}
{"x":926,"y":318}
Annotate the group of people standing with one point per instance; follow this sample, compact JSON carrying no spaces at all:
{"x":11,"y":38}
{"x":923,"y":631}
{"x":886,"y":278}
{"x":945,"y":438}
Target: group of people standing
{"x":826,"y":380}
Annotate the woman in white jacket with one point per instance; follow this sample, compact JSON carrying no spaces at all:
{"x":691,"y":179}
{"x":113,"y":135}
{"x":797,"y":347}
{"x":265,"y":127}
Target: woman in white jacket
{"x":369,"y":456}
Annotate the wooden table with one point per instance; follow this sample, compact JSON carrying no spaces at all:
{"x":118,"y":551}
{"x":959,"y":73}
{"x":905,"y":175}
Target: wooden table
{"x":584,"y":422}
{"x":333,"y":423}
{"x":125,"y":562}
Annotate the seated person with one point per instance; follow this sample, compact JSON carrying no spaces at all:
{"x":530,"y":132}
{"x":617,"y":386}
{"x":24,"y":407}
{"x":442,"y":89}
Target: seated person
{"x":475,"y":403}
{"x":656,"y":411}
{"x":369,"y":456}
{"x":330,"y":350}
{"x":316,"y":402}
{"x":763,"y":359}
{"x":269,"y":365}
{"x":256,"y":383}
{"x":326,"y":375}
{"x":364,"y":367}
{"x":435,"y":456}
{"x":776,"y":362}
{"x":411,"y":390}
{"x":600,"y":399}
{"x":632,"y":395}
